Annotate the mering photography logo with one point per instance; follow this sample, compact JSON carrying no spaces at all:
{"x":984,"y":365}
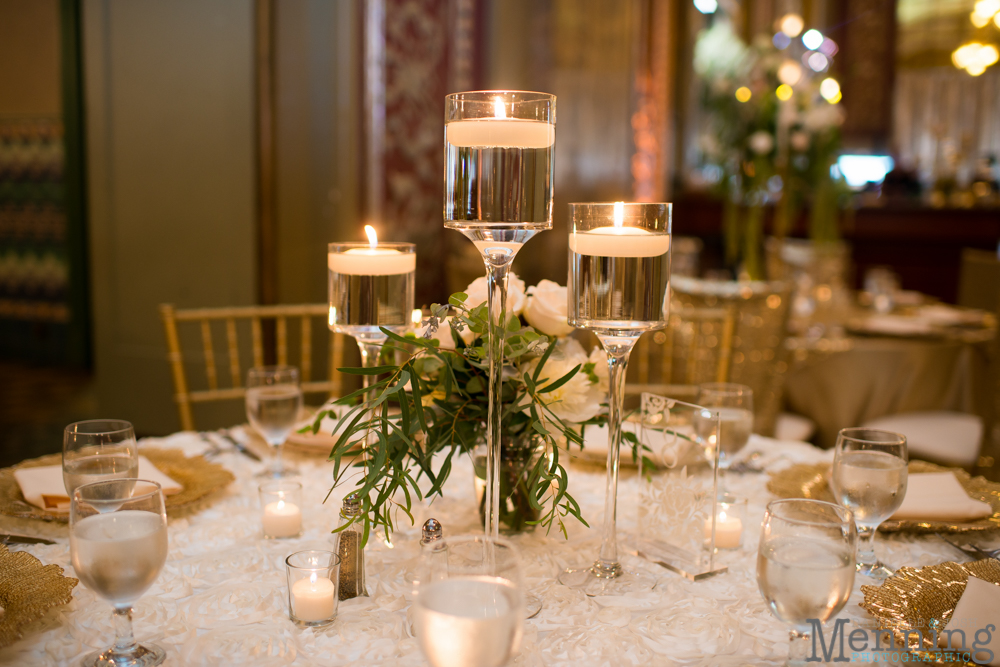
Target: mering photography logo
{"x":864,"y":645}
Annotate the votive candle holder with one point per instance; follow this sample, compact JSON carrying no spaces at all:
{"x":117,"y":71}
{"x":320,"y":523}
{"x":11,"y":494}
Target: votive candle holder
{"x":312,"y":587}
{"x":281,"y":509}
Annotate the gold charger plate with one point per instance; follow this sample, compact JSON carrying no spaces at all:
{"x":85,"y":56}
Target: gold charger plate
{"x":924,"y":599}
{"x":810,"y":481}
{"x":28,"y":589}
{"x":197,"y":477}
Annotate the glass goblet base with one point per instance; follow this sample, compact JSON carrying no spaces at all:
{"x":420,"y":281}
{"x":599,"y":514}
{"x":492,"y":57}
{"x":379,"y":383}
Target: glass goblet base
{"x":282,"y":472}
{"x":602,"y":579}
{"x":877,"y":570}
{"x":143,"y":655}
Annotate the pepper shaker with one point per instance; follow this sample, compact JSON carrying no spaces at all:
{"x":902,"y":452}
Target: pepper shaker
{"x":431,"y":532}
{"x":352,"y":554}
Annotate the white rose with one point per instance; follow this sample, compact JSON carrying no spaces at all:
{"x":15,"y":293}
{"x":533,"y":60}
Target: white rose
{"x":546,"y":309}
{"x":515,"y":294}
{"x":576,"y":401}
{"x":761,"y":142}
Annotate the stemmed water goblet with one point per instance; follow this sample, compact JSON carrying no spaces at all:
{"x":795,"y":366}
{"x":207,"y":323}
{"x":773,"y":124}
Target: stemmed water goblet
{"x":619,"y":270}
{"x":469,"y":607}
{"x":118,"y":545}
{"x":98,"y":449}
{"x":805,"y":565}
{"x":731,"y":413}
{"x":869,"y":477}
{"x":498,"y":192}
{"x":273,"y":402}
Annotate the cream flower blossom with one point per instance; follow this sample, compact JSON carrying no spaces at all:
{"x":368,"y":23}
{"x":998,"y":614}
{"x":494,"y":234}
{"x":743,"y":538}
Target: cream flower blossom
{"x":476,"y":292}
{"x":546,"y":309}
{"x":576,"y":401}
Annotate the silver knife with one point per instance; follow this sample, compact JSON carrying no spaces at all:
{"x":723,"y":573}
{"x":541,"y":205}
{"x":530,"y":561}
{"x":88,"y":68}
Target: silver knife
{"x":23,"y":539}
{"x":238,"y":445}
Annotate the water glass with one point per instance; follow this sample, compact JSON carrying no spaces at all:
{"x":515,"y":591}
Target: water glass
{"x":273,"y":402}
{"x":312,"y":587}
{"x":805,"y":566}
{"x":281,"y":508}
{"x":97,"y":450}
{"x":869,"y":477}
{"x":469,"y":610}
{"x":733,"y":406}
{"x":118,"y":545}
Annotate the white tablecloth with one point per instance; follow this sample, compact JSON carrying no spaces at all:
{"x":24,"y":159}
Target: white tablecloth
{"x":221,"y":598}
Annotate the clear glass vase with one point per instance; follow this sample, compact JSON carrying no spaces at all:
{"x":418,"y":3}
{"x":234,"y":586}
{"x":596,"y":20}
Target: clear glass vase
{"x":518,"y":456}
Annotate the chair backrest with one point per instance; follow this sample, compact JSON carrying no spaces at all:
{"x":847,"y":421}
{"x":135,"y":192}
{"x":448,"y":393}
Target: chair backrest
{"x":184,"y":396}
{"x":760,"y":314}
{"x":979,"y":280}
{"x":695,"y":347}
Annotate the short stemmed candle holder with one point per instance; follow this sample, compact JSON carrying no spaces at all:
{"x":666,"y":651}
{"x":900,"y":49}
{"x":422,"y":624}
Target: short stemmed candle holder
{"x":498,"y":192}
{"x":619,"y":271}
{"x":281,"y":509}
{"x":371,"y":288}
{"x":312,"y":587}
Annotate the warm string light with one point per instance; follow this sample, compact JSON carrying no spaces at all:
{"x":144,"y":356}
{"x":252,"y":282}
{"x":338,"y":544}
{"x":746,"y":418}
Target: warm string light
{"x":974,"y":57}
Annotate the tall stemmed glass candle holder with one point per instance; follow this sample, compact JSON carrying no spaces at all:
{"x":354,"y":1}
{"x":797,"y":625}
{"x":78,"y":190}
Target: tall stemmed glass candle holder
{"x":619,"y":274}
{"x":498,"y":192}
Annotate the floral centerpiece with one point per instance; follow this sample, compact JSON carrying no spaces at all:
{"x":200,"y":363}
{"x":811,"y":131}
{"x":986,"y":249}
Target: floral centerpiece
{"x":772,"y":137}
{"x":419,"y":414}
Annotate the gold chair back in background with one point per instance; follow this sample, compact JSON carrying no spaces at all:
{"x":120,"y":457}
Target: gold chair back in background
{"x":233,"y":319}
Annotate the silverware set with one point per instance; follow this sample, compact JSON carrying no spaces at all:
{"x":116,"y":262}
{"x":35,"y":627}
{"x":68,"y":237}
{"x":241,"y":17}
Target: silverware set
{"x":971,"y":550}
{"x":216,"y":448}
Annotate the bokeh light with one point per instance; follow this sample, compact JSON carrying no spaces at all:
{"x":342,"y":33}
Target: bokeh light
{"x":743,"y":94}
{"x":812,"y":39}
{"x":791,"y":24}
{"x":784,"y":92}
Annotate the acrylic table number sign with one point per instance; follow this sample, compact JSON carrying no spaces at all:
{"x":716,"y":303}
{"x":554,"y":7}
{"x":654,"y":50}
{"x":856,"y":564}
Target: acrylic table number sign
{"x":679,"y":525}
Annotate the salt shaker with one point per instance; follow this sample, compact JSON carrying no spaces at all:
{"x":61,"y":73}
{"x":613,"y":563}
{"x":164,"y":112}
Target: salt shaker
{"x":352,"y":554}
{"x":431,"y":532}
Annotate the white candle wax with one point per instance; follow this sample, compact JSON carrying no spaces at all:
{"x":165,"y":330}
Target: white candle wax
{"x":372,"y":262}
{"x":503,"y":132}
{"x":728,"y":531}
{"x":282,"y":519}
{"x":313,"y":598}
{"x":619,"y":242}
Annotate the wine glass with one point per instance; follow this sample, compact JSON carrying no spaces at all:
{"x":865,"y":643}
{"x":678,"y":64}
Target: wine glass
{"x":732,"y":405}
{"x":498,"y":178}
{"x":118,"y":545}
{"x":273,"y":401}
{"x":869,"y":478}
{"x":619,"y":288}
{"x":469,"y":609}
{"x":98,"y":449}
{"x":805,"y":565}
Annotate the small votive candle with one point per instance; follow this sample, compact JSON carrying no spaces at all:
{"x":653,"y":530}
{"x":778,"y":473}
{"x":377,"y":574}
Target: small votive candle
{"x":730,"y":518}
{"x":282,"y":514}
{"x":312,"y":587}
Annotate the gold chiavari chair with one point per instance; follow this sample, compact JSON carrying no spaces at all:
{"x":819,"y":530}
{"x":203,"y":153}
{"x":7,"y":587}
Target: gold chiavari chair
{"x":695,"y":347}
{"x":760,"y":316}
{"x":235,"y":319}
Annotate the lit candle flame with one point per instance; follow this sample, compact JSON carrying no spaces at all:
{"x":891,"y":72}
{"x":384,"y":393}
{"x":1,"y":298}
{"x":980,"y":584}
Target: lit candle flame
{"x":722,"y":516}
{"x":312,"y":578}
{"x":281,"y":504}
{"x":372,"y":236}
{"x":498,"y":109}
{"x":619,"y":213}
{"x":333,"y":315}
{"x":416,"y":316}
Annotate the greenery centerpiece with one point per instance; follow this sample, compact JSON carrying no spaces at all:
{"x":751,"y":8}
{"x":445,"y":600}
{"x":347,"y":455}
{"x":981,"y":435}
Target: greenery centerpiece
{"x":423,"y":412}
{"x":771,"y":138}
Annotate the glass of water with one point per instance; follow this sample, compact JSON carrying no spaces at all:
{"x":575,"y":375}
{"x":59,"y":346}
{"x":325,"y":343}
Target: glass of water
{"x":805,"y":565}
{"x":469,"y":610}
{"x":273,"y":401}
{"x":869,"y":478}
{"x":118,"y":545}
{"x":734,"y":405}
{"x":96,"y":450}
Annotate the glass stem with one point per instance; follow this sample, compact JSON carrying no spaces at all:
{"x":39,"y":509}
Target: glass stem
{"x":798,"y":647}
{"x":370,"y":351}
{"x":866,"y":545}
{"x":618,"y":349}
{"x":124,"y":640}
{"x":497,"y":271}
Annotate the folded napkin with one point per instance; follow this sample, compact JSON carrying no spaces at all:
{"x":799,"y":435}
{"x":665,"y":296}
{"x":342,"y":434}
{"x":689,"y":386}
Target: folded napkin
{"x":978,"y":607}
{"x":665,"y":448}
{"x":937,"y":496}
{"x":43,"y":486}
{"x":898,"y":324}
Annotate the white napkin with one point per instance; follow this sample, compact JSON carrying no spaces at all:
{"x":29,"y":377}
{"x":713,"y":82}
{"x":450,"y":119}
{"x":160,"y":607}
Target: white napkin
{"x":43,"y":486}
{"x":937,"y":496}
{"x":945,"y":315}
{"x":898,"y":324}
{"x":978,"y":607}
{"x":666,"y":449}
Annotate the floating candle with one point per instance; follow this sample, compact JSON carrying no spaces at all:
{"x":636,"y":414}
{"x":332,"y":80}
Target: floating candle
{"x":618,"y":240}
{"x":282,"y":519}
{"x":501,"y":132}
{"x":373,"y":260}
{"x":313,"y":599}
